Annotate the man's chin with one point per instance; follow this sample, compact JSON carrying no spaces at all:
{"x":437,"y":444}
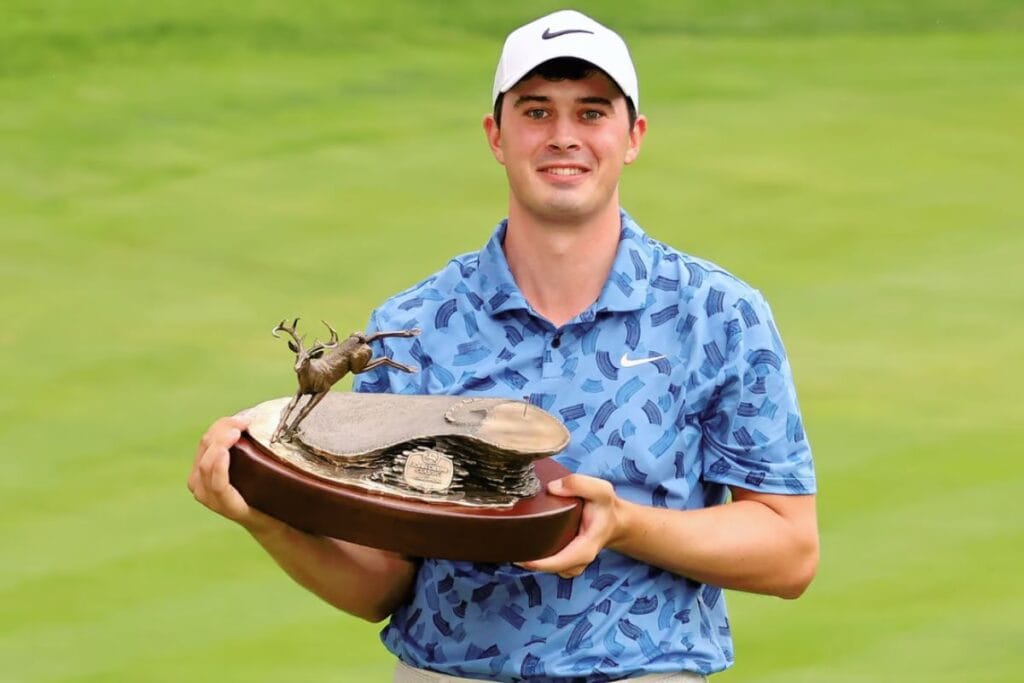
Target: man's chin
{"x":567,"y":207}
{"x":566,"y":214}
{"x":571,"y":210}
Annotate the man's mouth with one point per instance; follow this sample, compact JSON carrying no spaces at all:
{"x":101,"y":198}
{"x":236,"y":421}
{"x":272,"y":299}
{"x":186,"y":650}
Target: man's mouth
{"x":564,"y":170}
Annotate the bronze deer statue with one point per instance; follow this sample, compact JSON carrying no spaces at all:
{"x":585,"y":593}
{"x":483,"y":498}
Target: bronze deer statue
{"x":323,"y":364}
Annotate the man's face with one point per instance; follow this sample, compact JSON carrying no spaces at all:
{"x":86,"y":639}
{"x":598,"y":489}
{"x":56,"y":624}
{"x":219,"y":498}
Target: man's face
{"x":563,"y":145}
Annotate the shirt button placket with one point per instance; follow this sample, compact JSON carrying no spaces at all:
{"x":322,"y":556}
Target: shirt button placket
{"x":552,"y":358}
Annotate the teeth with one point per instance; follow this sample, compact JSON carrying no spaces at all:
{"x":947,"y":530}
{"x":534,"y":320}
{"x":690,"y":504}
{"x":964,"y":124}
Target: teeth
{"x":565,"y":171}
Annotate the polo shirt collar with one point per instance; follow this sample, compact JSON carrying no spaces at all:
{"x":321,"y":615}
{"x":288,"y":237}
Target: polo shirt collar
{"x":629,"y":279}
{"x":625,"y":290}
{"x":497,"y":287}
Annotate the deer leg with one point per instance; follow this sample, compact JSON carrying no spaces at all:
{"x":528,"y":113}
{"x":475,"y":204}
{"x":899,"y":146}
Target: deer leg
{"x":284,"y":418}
{"x":377,"y":362}
{"x":306,"y":409}
{"x":399,"y":333}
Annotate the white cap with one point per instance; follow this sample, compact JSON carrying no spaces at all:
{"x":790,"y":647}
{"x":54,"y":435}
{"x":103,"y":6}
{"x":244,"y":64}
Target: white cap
{"x":566,"y":33}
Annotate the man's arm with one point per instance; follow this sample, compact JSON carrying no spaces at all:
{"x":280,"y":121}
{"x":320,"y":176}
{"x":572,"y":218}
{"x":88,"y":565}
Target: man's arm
{"x":366,"y":582}
{"x":759,"y":542}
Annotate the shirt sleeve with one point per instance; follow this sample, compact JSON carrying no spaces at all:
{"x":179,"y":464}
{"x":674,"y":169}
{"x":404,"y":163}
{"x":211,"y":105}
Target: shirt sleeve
{"x":752,"y":432}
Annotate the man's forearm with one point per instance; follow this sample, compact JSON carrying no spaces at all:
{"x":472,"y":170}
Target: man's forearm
{"x":747,"y":545}
{"x":366,"y":582}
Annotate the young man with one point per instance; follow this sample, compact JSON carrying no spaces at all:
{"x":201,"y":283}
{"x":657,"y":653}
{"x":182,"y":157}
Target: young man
{"x":667,"y":371}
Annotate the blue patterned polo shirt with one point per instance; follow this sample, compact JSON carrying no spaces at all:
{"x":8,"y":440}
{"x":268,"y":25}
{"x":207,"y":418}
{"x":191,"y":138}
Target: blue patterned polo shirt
{"x":674,"y":385}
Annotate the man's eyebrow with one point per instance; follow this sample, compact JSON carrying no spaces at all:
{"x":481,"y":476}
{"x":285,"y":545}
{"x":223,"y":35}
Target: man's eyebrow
{"x":530,"y":98}
{"x":592,"y":99}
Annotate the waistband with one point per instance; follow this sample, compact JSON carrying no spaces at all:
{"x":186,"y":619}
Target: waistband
{"x":407,"y":674}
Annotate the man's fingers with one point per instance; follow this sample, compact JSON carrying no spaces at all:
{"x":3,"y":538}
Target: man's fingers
{"x":578,"y":554}
{"x":574,"y":558}
{"x":239,"y":420}
{"x":210,"y":480}
{"x":235,"y":423}
{"x":223,"y":438}
{"x":217,"y":451}
{"x":573,"y":572}
{"x":581,"y":486}
{"x":219,"y":475}
{"x":204,"y":443}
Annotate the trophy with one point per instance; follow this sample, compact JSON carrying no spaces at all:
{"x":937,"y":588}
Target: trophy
{"x":454,"y":477}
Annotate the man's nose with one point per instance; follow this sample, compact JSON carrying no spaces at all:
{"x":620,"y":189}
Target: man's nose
{"x":563,"y":136}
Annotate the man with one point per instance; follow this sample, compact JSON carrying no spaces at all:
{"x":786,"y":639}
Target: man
{"x":667,"y":371}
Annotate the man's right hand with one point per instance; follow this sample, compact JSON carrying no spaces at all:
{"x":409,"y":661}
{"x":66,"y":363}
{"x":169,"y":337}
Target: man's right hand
{"x":208,"y":480}
{"x":366,"y":582}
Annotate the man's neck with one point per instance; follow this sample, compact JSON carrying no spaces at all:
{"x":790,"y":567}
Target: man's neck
{"x":561,"y":268}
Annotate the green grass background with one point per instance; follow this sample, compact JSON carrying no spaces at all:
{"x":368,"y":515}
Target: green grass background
{"x":175,"y":178}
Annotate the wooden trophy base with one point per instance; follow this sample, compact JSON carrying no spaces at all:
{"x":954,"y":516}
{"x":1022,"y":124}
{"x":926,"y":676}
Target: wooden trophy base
{"x":533,"y":528}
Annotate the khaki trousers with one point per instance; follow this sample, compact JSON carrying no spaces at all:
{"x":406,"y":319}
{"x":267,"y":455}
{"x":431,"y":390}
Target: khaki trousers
{"x":407,"y":674}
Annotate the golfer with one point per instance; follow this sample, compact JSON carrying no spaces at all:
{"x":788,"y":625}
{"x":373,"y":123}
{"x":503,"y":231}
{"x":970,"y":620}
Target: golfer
{"x":687,"y":442}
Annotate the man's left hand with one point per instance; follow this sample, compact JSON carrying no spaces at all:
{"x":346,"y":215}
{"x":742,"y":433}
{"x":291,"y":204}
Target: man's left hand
{"x":600,"y":525}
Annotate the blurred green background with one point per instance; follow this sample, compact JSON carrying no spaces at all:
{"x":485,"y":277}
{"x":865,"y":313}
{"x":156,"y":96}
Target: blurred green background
{"x":175,"y":178}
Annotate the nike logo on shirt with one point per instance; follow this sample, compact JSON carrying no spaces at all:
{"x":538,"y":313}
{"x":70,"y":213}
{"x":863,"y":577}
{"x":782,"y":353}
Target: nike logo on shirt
{"x":628,"y":362}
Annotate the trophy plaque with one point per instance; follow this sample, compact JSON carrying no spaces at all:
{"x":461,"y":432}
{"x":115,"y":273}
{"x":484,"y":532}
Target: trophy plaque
{"x":451,"y":477}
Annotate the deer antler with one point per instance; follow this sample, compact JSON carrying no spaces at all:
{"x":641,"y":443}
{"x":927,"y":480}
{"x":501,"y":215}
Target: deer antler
{"x":295,"y":345}
{"x":329,"y":344}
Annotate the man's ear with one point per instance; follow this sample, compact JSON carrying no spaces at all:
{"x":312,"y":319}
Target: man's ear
{"x":636,"y":137}
{"x":493,"y":133}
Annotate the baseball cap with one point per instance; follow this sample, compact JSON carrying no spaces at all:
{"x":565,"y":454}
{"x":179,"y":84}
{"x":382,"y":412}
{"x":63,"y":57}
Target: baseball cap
{"x":566,"y":33}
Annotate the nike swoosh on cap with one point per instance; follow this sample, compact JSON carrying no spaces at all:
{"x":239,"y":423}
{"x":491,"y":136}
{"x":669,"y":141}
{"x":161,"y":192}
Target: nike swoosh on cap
{"x":628,"y":362}
{"x":548,"y":34}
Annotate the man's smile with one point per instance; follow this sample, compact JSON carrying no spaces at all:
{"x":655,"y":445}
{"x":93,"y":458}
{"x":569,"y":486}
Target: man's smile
{"x":563,"y":172}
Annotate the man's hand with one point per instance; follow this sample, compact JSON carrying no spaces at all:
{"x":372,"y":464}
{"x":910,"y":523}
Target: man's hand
{"x":601,"y":523}
{"x":762,"y":543}
{"x":208,"y":480}
{"x":366,"y":582}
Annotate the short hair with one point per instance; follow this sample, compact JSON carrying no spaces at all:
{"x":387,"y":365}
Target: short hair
{"x":565,"y":68}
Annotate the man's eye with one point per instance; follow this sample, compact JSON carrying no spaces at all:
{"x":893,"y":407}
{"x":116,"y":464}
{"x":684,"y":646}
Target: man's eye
{"x":592,"y":114}
{"x":536,"y":113}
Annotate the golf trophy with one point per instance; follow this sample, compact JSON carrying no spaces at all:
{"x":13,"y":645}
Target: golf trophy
{"x":453,"y":477}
